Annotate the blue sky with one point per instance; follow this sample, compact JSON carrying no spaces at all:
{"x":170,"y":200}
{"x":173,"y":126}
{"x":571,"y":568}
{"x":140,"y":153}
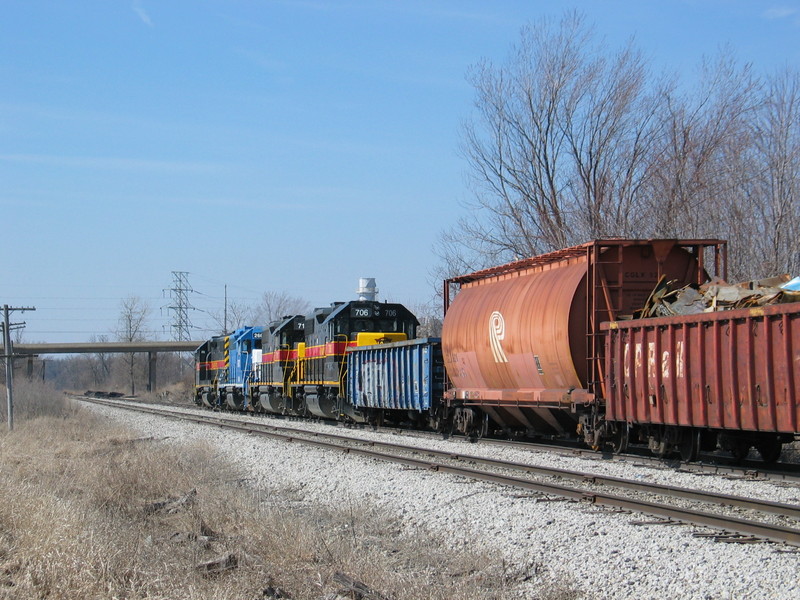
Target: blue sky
{"x":268,"y":145}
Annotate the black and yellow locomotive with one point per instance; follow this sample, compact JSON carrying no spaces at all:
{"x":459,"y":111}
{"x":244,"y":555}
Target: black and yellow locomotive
{"x":275,"y":371}
{"x":302,"y":367}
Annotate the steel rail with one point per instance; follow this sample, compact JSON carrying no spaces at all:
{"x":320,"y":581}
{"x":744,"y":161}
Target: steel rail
{"x":749,"y":469}
{"x":772,"y":532}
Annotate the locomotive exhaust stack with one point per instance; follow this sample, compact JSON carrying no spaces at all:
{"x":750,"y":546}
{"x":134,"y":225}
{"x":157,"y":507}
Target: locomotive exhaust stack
{"x":367,"y":292}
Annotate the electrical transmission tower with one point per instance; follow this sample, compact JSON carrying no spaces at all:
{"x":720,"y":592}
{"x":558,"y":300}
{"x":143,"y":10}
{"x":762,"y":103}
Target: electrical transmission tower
{"x":180,"y":306}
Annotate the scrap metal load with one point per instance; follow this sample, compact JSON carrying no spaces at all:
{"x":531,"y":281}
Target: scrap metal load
{"x":718,"y":295}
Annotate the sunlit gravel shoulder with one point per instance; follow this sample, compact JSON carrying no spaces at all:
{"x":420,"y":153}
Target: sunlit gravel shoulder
{"x":590,"y":549}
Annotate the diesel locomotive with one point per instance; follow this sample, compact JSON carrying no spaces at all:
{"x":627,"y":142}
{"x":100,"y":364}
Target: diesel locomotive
{"x":545,"y":346}
{"x":297,"y":364}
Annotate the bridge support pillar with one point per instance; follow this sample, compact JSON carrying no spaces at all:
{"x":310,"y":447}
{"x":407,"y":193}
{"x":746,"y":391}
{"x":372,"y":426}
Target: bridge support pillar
{"x":151,"y":380}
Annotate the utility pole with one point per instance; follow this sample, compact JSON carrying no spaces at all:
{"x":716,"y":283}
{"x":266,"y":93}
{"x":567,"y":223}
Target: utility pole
{"x":9,"y":356}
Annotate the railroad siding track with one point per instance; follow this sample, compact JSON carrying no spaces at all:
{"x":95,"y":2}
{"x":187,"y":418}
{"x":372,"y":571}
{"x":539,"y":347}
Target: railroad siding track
{"x":713,"y":465}
{"x":723,"y":466}
{"x":765,"y":520}
{"x":788,"y":472}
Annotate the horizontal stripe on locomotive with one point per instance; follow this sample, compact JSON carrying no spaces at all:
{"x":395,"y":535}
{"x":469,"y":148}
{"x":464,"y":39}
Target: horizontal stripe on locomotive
{"x":278,"y":356}
{"x":329,"y":349}
{"x":214,"y":365}
{"x":323,"y":350}
{"x":294,"y":383}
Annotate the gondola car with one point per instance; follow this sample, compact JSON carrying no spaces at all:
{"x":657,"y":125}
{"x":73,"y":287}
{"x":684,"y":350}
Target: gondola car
{"x":399,"y":382}
{"x":723,"y":379}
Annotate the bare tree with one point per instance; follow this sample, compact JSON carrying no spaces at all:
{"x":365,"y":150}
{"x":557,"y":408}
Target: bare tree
{"x":730,"y":167}
{"x":131,"y":327}
{"x":776,"y":175}
{"x":570,"y":141}
{"x":99,"y":363}
{"x":275,"y":305}
{"x":559,"y":146}
{"x":429,"y":315}
{"x":235,"y":315}
{"x":696,"y":161}
{"x":272,"y":305}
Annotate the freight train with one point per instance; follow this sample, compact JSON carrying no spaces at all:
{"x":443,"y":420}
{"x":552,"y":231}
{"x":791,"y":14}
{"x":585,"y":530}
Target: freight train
{"x":545,"y":346}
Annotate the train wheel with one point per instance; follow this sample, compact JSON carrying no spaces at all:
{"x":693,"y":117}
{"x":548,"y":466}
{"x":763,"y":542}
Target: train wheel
{"x":480,"y":427}
{"x":770,"y":450}
{"x":657,"y":442}
{"x":689,"y":446}
{"x":618,"y":441}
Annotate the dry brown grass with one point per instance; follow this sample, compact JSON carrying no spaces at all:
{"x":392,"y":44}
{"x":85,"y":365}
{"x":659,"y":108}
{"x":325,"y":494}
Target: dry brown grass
{"x":179,"y":394}
{"x":34,"y":399}
{"x":75,"y":523}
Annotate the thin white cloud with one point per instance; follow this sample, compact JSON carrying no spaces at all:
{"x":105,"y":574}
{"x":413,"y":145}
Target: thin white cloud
{"x":780,"y":12}
{"x":142,"y":13}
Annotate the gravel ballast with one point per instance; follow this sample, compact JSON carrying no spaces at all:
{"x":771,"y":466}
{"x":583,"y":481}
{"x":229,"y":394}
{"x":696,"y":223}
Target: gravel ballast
{"x":597,"y":552}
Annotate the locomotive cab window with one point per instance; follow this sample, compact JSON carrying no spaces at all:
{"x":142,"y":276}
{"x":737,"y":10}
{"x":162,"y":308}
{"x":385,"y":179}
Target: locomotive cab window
{"x":363,"y":325}
{"x":396,"y":326}
{"x":388,"y":325}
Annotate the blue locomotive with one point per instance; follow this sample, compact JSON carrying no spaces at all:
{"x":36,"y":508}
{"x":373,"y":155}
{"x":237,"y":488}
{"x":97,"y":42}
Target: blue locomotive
{"x":223,"y":368}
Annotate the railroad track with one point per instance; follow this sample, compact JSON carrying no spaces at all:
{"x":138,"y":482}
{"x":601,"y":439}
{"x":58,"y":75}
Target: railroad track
{"x":766,"y":520}
{"x":713,"y":465}
{"x":710,"y":464}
